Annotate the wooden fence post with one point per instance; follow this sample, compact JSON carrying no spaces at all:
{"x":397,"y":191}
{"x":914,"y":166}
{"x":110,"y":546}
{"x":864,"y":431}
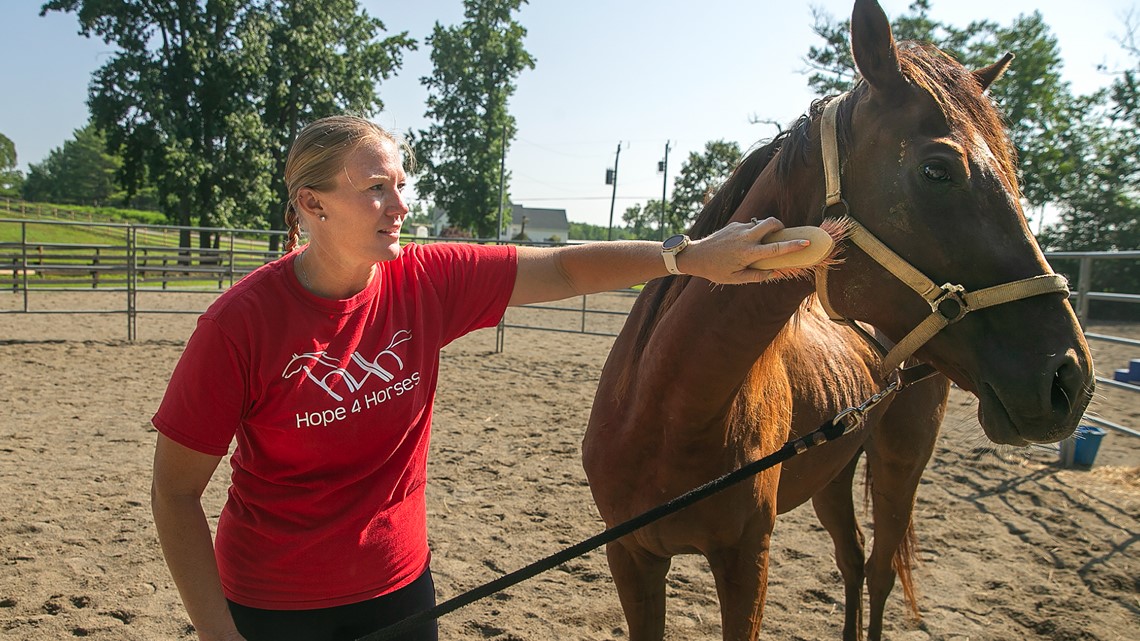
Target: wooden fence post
{"x":1084,"y":286}
{"x":95,"y":272}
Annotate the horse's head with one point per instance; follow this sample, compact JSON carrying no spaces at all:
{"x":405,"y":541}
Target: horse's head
{"x":928,"y":170}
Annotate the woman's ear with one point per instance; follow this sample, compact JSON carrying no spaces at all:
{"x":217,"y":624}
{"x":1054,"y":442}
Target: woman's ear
{"x":309,"y":202}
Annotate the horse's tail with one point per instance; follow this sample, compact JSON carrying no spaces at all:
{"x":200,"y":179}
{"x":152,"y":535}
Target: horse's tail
{"x":903,"y":563}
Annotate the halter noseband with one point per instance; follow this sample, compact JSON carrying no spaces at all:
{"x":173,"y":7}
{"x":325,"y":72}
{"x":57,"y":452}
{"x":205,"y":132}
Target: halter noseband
{"x":948,"y":303}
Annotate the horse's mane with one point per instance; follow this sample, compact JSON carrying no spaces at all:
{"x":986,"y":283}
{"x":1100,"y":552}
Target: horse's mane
{"x":953,"y":87}
{"x":788,"y":146}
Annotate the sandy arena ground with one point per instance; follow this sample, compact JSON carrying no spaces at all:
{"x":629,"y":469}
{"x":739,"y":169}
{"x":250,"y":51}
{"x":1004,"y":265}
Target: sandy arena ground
{"x":1012,"y":545}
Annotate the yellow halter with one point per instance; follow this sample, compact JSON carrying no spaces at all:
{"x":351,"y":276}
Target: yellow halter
{"x":949,"y":303}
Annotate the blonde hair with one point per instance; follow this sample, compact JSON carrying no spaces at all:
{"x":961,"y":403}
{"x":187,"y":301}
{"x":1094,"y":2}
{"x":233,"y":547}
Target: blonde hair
{"x":318,"y":154}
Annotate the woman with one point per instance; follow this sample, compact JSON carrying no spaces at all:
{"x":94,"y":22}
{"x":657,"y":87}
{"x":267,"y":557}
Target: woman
{"x":323,"y":365}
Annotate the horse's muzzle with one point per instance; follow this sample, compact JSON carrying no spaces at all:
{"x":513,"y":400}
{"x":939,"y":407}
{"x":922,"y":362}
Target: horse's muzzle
{"x":1044,"y":407}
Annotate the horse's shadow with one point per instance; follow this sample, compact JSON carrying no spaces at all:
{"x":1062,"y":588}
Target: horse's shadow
{"x":1048,"y":480}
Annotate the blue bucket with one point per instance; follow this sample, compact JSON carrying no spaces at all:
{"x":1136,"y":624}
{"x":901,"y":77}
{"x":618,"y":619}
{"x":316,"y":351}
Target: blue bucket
{"x":1087,"y":442}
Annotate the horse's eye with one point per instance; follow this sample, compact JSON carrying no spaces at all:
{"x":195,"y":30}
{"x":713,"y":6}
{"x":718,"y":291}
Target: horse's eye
{"x":935,"y":172}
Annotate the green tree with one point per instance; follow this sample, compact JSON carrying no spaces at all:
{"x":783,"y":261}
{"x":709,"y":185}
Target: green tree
{"x":321,"y":57}
{"x":1100,"y":210}
{"x":10,"y":178}
{"x":200,"y":98}
{"x":586,"y":231}
{"x":701,"y":175}
{"x":81,"y":172}
{"x":644,"y":221}
{"x":1119,"y":141}
{"x":475,"y":67}
{"x":175,"y":98}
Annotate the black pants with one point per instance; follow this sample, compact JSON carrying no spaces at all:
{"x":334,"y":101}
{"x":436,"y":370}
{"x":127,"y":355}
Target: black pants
{"x":342,"y":623}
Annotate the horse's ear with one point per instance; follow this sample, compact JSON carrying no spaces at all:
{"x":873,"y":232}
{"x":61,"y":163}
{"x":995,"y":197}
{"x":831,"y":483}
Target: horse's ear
{"x":987,"y":76}
{"x":873,"y":47}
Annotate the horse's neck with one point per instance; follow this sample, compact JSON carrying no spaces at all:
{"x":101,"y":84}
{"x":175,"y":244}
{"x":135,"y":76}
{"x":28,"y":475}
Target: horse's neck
{"x":704,"y":346}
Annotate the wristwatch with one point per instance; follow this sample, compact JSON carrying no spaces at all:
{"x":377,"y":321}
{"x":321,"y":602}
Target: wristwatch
{"x":672,"y":246}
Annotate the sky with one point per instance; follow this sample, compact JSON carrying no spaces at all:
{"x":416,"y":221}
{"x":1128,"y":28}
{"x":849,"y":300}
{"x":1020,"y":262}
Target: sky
{"x":639,"y":73}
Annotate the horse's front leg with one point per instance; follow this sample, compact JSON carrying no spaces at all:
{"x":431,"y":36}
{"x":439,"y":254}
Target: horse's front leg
{"x":897,"y":453}
{"x":640,"y":581}
{"x":836,"y":511}
{"x":741,"y":574}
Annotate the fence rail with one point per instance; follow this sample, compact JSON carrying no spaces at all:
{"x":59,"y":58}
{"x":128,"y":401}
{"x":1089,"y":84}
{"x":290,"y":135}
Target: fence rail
{"x":38,"y":256}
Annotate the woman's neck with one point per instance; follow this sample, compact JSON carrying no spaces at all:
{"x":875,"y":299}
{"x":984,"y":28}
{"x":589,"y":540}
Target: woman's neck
{"x":324,"y":276}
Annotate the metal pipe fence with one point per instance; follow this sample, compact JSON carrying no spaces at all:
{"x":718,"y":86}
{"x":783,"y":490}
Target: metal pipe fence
{"x":44,"y":255}
{"x":40,"y":256}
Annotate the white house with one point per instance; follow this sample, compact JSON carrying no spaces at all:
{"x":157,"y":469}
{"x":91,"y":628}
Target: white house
{"x":539,"y":225}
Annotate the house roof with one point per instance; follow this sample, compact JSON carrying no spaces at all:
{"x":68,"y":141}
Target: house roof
{"x":541,"y":218}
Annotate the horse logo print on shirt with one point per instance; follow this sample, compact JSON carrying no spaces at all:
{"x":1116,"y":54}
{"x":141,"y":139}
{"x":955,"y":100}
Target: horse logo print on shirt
{"x":330,"y":371}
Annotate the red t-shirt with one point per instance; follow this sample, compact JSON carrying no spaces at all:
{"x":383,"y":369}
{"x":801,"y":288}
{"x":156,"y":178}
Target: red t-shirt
{"x":331,"y":405}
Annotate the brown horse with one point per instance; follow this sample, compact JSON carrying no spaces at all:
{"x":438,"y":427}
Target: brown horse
{"x":705,"y":379}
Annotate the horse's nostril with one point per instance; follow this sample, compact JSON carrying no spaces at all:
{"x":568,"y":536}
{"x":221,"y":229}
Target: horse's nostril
{"x":1060,"y":397}
{"x":1068,"y":384}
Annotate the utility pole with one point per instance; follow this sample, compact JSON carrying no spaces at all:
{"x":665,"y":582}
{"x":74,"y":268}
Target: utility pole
{"x":502,"y":173}
{"x":663,"y":167}
{"x":611,"y":179}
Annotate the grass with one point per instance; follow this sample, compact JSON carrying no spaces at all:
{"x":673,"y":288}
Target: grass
{"x":80,"y":225}
{"x":84,"y":225}
{"x":14,"y":208}
{"x":85,"y":231}
{"x":79,"y":233}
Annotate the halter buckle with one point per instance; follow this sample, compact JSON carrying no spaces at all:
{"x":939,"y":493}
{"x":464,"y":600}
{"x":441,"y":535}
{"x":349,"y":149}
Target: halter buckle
{"x":951,"y":304}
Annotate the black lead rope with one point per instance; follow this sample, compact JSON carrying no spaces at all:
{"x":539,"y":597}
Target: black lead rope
{"x":847,"y":421}
{"x":830,"y":431}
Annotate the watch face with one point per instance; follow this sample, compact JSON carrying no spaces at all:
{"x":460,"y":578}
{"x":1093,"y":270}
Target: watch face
{"x":673,"y":242}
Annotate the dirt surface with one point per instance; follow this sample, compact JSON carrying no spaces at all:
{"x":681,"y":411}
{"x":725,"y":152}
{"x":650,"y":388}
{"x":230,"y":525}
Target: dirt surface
{"x":1013,"y":546}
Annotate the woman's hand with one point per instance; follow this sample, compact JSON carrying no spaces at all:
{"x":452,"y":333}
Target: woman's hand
{"x":725,"y":255}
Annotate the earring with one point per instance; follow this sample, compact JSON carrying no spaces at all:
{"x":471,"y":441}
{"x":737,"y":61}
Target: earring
{"x":324,"y":217}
